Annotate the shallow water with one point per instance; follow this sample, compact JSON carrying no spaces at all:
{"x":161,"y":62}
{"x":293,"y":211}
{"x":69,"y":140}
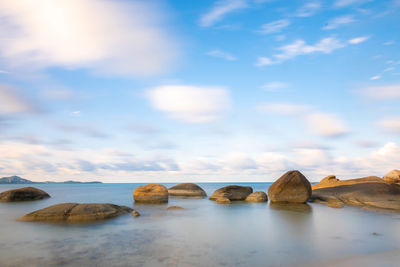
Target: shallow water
{"x":203,"y":234}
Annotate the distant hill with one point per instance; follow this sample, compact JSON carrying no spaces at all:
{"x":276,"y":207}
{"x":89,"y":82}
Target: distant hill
{"x":18,"y":180}
{"x":14,"y":180}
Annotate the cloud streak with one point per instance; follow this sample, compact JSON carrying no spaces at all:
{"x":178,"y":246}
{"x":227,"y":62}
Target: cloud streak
{"x":221,"y":9}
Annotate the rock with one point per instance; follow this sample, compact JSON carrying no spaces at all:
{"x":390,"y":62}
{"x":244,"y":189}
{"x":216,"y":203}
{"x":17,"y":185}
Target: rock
{"x":258,"y":196}
{"x":151,"y":193}
{"x":187,"y":190}
{"x":23,"y":194}
{"x":223,"y":200}
{"x":292,"y":187}
{"x":232,"y":192}
{"x":135,"y":213}
{"x":332,"y":182}
{"x":174,"y":208}
{"x":392,"y":177}
{"x":74,"y":212}
{"x":368,"y":192}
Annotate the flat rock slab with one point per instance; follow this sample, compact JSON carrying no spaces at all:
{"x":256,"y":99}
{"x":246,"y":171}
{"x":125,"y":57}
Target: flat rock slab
{"x":375,"y":195}
{"x":232,"y":193}
{"x":75,"y":213}
{"x":187,"y":190}
{"x":326,"y":182}
{"x":23,"y":194}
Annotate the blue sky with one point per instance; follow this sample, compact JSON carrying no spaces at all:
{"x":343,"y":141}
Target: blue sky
{"x":228,"y":90}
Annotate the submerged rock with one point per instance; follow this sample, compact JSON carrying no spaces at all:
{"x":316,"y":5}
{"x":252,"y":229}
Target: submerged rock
{"x":258,"y":196}
{"x":174,"y":208}
{"x":392,"y":177}
{"x":292,"y":187}
{"x":187,"y":190}
{"x":23,"y":194}
{"x":75,"y":212}
{"x":135,"y":213}
{"x":368,"y":192}
{"x":151,"y":193}
{"x":232,"y":192}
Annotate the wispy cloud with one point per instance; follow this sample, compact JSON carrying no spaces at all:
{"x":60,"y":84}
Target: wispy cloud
{"x":383,"y":92}
{"x":320,"y":123}
{"x":274,"y":26}
{"x":191,"y":104}
{"x":390,"y":125}
{"x":339,"y":21}
{"x":275,"y":86}
{"x":308,"y":9}
{"x":221,"y":8}
{"x":344,"y":3}
{"x":300,"y":47}
{"x":12,"y":101}
{"x":222,"y":54}
{"x":102,"y":36}
{"x":358,"y":40}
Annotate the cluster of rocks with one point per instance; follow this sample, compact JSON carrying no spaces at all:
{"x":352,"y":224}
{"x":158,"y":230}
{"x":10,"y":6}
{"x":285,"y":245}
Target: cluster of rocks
{"x":292,"y":187}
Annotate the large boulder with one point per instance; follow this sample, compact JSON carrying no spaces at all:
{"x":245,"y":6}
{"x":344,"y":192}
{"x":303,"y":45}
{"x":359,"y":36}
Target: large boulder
{"x":392,"y":177}
{"x":292,"y":187}
{"x":336,"y":182}
{"x":187,"y":190}
{"x":74,"y":212}
{"x":258,"y":196}
{"x":232,"y":192}
{"x":366,"y":192}
{"x":151,"y":193}
{"x":23,"y":194}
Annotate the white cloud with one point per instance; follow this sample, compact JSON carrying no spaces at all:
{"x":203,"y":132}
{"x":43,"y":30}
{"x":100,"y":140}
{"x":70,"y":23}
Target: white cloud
{"x":325,"y":124}
{"x":358,"y":40}
{"x":192,"y":104}
{"x":108,"y":37}
{"x":299,"y":47}
{"x":275,"y":86}
{"x":11,"y":101}
{"x":221,"y":54}
{"x":389,"y":43}
{"x":275,"y":26}
{"x":391,"y":125}
{"x":376,"y":77}
{"x":308,"y":9}
{"x":384,"y":92}
{"x":220,"y":9}
{"x":336,"y":22}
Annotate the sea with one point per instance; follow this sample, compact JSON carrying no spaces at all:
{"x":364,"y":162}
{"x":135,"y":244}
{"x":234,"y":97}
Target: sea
{"x":204,"y":233}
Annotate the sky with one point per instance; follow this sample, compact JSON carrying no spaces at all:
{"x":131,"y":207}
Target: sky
{"x":198,"y":91}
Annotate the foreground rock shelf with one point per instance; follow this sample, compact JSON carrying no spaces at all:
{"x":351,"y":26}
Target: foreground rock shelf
{"x":76,"y":213}
{"x":23,"y":194}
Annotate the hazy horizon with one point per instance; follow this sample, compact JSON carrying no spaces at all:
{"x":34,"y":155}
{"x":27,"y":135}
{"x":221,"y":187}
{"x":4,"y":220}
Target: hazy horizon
{"x":198,"y":91}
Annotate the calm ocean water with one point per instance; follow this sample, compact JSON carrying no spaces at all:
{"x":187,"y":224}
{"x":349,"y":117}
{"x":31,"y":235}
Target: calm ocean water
{"x":204,"y":234}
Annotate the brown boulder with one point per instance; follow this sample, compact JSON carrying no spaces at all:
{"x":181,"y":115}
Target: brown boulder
{"x":258,"y":196}
{"x":187,"y":190}
{"x":232,"y":192}
{"x":151,"y":193}
{"x":392,"y":177}
{"x":376,"y":195}
{"x":23,"y":194}
{"x":74,"y":212}
{"x":135,"y":213}
{"x":292,"y":187}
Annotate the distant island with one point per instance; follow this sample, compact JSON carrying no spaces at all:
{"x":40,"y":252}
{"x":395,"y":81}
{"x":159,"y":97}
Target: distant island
{"x":18,"y":180}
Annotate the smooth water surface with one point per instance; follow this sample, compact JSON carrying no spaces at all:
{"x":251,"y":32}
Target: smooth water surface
{"x":203,"y":234}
